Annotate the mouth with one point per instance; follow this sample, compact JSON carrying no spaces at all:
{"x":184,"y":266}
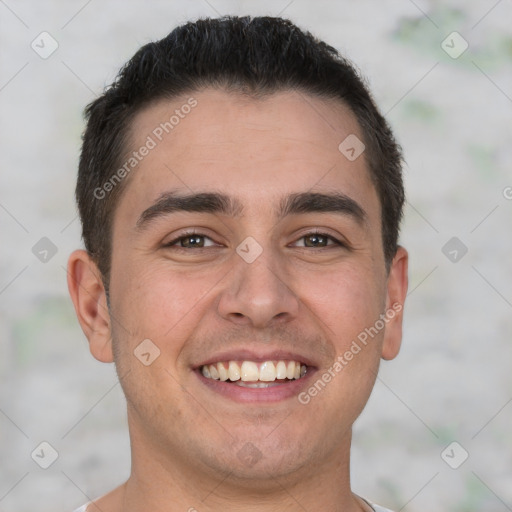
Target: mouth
{"x":250,"y":374}
{"x":259,"y":380}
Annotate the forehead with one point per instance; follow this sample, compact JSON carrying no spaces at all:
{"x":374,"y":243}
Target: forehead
{"x":256,"y":150}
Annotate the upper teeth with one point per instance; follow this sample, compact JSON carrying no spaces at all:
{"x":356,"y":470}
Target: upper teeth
{"x":246,"y":371}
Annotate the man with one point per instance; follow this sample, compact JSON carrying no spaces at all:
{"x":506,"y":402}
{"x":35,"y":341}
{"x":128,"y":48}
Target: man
{"x":240,"y":197}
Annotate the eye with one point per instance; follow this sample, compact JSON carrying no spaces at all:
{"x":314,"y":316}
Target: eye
{"x":195,"y":240}
{"x":320,"y":240}
{"x":190,"y":240}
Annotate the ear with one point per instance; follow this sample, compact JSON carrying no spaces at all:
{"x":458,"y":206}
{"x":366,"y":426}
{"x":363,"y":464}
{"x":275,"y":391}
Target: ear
{"x":395,"y":298}
{"x":89,"y":298}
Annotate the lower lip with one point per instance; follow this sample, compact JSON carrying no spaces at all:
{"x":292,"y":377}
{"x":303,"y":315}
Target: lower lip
{"x":251,"y":395}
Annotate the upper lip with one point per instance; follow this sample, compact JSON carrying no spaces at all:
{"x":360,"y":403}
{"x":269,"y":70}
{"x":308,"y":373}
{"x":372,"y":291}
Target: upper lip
{"x":257,"y":357}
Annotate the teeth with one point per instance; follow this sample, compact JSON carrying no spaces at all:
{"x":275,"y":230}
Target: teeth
{"x":223,"y":373}
{"x":257,"y":374}
{"x":267,"y":371}
{"x":281,"y":370}
{"x":249,"y":371}
{"x":290,"y":370}
{"x":213,"y":371}
{"x":256,"y":384}
{"x":233,"y":371}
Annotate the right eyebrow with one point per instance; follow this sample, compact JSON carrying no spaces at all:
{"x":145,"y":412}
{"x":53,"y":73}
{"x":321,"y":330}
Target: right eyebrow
{"x":203,"y":202}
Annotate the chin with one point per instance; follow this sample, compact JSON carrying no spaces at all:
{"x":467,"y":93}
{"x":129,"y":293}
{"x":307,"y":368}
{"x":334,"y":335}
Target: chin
{"x":264,"y":475}
{"x":264,"y":463}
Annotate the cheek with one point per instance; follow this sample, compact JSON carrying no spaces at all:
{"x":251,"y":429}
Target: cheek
{"x":157,"y":303}
{"x":346,"y":301}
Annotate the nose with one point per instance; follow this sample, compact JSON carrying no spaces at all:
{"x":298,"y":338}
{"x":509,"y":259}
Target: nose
{"x":258,"y":294}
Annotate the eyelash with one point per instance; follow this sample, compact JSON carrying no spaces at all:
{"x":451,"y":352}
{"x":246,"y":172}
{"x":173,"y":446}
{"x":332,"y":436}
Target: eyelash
{"x":194,"y":233}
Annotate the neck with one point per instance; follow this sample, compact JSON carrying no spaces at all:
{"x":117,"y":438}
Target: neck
{"x":163,"y":482}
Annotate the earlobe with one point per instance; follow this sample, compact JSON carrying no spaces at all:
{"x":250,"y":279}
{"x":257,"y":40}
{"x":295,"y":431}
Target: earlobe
{"x":396,"y":293}
{"x":89,"y":298}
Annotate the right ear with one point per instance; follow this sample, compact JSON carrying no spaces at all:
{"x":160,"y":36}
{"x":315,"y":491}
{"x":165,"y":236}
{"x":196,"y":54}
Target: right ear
{"x":89,"y":298}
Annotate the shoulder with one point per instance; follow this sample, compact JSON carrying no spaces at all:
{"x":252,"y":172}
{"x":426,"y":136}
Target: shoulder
{"x":111,"y":501}
{"x":373,"y":506}
{"x":83,"y":508}
{"x":378,"y":508}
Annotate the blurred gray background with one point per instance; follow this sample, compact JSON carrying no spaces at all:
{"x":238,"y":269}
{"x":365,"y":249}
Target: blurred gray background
{"x":451,"y":108}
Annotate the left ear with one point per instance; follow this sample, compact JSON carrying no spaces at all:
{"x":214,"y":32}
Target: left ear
{"x":395,"y":298}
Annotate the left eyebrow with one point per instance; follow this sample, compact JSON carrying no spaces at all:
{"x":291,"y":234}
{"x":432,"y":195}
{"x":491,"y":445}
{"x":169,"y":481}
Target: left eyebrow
{"x":219,"y":203}
{"x":309,"y":202}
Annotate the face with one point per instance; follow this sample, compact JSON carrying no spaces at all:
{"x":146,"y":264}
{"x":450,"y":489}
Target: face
{"x":276,"y":273}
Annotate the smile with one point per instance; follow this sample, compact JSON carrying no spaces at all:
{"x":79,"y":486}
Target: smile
{"x":255,"y":375}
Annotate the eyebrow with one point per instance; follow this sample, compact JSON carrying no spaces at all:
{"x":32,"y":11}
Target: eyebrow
{"x":219,"y":203}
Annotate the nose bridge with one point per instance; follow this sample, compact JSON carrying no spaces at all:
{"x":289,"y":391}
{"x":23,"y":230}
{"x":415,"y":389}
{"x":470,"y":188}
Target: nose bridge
{"x":258,"y":291}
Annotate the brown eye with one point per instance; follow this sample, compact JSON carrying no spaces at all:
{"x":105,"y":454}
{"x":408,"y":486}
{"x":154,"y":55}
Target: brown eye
{"x":190,"y":241}
{"x":316,"y":240}
{"x":319,"y":240}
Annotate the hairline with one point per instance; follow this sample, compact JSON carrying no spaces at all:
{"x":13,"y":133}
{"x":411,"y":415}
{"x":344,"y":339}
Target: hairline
{"x":243,"y":91}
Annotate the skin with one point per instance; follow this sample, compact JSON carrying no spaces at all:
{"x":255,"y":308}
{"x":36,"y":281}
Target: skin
{"x":192,"y":304}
